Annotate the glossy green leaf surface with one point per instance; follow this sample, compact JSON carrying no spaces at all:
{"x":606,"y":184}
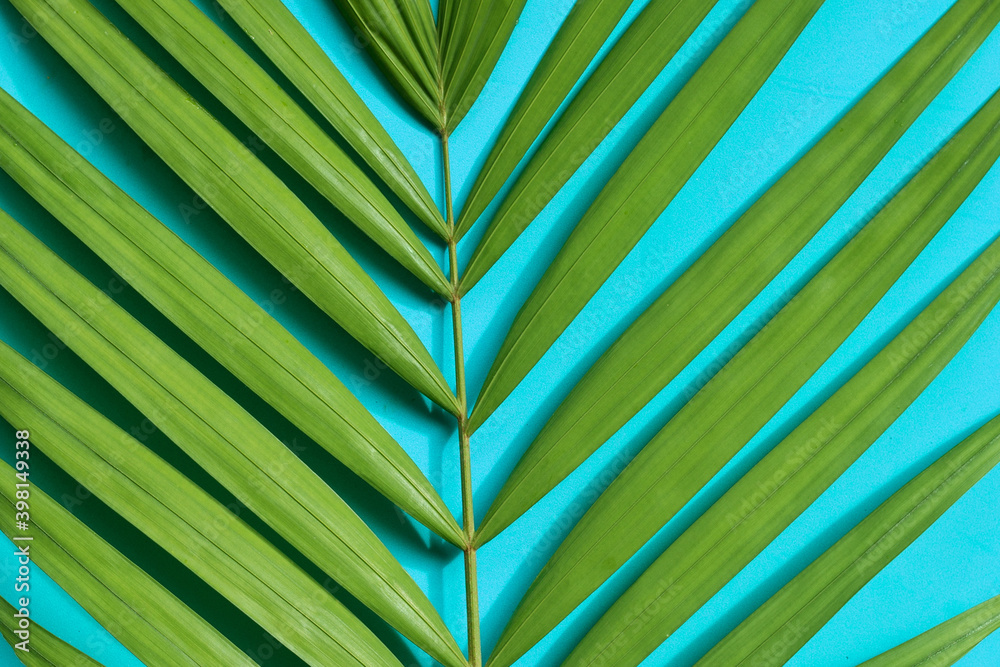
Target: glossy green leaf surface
{"x":694,"y":446}
{"x":257,"y":100}
{"x":219,"y":435}
{"x":227,"y":175}
{"x":795,"y":613}
{"x":580,"y":37}
{"x":947,"y":643}
{"x":400,"y":37}
{"x":693,"y":310}
{"x":204,"y":304}
{"x":473,"y":34}
{"x":293,"y":50}
{"x":654,"y":37}
{"x":196,"y":529}
{"x":45,"y":649}
{"x":643,"y":186}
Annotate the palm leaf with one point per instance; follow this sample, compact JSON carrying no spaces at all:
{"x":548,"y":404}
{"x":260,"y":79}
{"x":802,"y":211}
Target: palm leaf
{"x":440,"y":66}
{"x":692,"y":311}
{"x":654,"y":37}
{"x":400,"y":37}
{"x":277,"y":32}
{"x":201,"y":533}
{"x":741,"y":523}
{"x":257,"y":100}
{"x":473,"y":34}
{"x":688,"y":452}
{"x":643,"y":186}
{"x":236,"y":184}
{"x":947,"y":643}
{"x":143,"y":615}
{"x":220,"y":436}
{"x":580,"y":37}
{"x":46,"y":650}
{"x":214,"y":312}
{"x":795,"y":613}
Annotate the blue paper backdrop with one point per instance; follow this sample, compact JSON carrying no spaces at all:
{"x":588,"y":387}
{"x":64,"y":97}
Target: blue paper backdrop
{"x":848,"y":45}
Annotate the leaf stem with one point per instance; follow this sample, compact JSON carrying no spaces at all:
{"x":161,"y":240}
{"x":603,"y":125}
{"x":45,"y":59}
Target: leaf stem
{"x":465,"y":457}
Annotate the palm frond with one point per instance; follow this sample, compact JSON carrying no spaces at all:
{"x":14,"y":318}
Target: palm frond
{"x":947,"y":643}
{"x":227,"y":175}
{"x":219,"y":435}
{"x":214,"y":312}
{"x":438,"y":55}
{"x":688,"y":452}
{"x":795,"y":613}
{"x":643,"y":186}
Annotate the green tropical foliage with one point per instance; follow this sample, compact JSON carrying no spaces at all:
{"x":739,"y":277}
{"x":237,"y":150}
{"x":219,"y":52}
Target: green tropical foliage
{"x":198,"y":78}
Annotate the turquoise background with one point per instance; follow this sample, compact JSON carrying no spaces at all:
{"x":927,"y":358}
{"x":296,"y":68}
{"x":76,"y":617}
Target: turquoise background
{"x":953,"y":566}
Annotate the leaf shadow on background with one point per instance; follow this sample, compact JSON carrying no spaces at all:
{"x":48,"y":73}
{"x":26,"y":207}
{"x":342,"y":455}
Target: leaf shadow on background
{"x":70,"y":370}
{"x":830,"y":533}
{"x":366,"y":251}
{"x":203,"y":229}
{"x":555,"y":395}
{"x":773,"y":432}
{"x":34,"y":341}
